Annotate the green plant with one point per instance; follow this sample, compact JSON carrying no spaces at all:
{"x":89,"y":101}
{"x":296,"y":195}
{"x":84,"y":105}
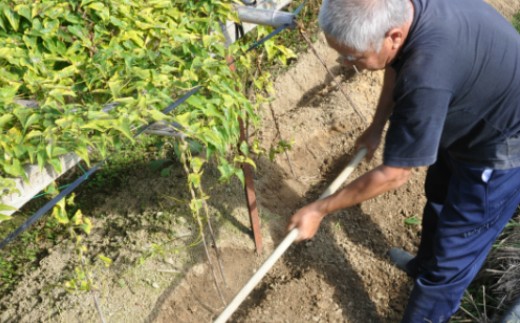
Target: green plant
{"x":413,"y":220}
{"x":95,"y":70}
{"x":516,"y":21}
{"x":81,"y":76}
{"x":22,"y":257}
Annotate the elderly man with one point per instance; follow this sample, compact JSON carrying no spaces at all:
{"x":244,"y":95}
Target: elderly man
{"x":452,"y":95}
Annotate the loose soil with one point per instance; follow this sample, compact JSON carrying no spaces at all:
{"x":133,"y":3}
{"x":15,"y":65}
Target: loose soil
{"x":159,"y":271}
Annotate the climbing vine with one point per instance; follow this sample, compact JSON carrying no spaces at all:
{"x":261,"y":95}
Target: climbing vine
{"x":82,"y":76}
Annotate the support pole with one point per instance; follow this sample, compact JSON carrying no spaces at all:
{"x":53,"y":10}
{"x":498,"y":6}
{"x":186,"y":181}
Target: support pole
{"x":285,"y":244}
{"x":251,"y":196}
{"x":249,"y":185}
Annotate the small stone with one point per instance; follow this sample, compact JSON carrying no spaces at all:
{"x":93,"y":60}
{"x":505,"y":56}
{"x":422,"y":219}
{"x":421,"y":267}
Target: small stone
{"x":321,"y":304}
{"x":198,"y":269}
{"x":155,"y":285}
{"x":5,"y":316}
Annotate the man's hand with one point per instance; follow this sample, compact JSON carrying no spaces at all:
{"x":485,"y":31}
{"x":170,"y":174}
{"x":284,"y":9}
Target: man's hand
{"x":307,"y":220}
{"x":370,"y":139}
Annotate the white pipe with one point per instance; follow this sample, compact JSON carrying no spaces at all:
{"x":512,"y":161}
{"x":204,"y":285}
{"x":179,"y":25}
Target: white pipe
{"x":285,"y":244}
{"x":269,"y":17}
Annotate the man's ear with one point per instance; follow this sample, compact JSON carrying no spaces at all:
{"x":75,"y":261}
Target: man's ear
{"x":396,"y":36}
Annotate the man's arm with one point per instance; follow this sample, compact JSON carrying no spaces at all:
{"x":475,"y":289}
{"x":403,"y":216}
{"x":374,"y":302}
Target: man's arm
{"x":373,"y":183}
{"x":371,"y":137}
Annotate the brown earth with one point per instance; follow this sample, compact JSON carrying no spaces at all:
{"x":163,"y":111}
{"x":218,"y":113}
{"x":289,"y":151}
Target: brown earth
{"x":159,"y":273}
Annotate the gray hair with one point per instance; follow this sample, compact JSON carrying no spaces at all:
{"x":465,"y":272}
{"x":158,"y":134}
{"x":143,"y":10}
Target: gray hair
{"x":362,"y":24}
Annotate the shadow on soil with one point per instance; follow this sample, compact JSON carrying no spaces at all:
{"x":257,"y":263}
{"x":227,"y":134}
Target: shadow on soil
{"x":313,"y":96}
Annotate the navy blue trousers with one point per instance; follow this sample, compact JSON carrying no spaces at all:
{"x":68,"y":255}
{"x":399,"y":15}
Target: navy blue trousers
{"x":467,"y":208}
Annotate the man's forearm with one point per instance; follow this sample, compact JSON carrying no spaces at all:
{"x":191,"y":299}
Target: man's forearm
{"x":373,"y":183}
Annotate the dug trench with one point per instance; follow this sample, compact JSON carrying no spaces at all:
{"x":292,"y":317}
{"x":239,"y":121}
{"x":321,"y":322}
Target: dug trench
{"x":343,"y":274}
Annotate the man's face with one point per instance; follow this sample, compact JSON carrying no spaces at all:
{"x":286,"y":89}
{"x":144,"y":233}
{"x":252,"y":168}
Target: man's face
{"x":370,"y":60}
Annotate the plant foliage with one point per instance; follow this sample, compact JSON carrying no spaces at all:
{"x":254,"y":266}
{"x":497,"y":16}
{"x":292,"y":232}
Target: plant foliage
{"x":516,"y":21}
{"x":80,"y":76}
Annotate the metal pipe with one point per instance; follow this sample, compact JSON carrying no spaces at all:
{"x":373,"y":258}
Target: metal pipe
{"x":285,"y":244}
{"x":266,"y":17}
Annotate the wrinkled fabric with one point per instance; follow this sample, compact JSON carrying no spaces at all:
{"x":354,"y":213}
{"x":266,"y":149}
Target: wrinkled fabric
{"x":467,"y":208}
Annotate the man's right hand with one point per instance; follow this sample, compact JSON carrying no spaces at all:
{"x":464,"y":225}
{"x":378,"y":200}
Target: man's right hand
{"x":307,"y":220}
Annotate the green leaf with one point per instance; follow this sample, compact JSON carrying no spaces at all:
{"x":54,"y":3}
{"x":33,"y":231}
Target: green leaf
{"x":244,"y":160}
{"x":7,"y":94}
{"x":33,"y":118}
{"x":22,"y":113}
{"x":5,"y":207}
{"x":12,"y":17}
{"x":195,"y":205}
{"x":2,"y":24}
{"x":194,"y":179}
{"x":80,"y":33}
{"x":413,"y":220}
{"x":100,"y":10}
{"x":196,"y":102}
{"x":77,"y":219}
{"x":157,"y":115}
{"x":166,"y":172}
{"x":124,"y":128}
{"x":4,"y":217}
{"x":226,"y":169}
{"x":135,"y":37}
{"x":15,"y":169}
{"x":107,"y":261}
{"x":59,"y":213}
{"x":56,"y":164}
{"x":5,"y":120}
{"x":32,"y":134}
{"x":24,"y":11}
{"x":83,"y":153}
{"x":196,"y":164}
{"x":86,"y":226}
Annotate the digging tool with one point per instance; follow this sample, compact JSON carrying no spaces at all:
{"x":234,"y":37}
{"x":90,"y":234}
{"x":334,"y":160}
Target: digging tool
{"x":285,"y":244}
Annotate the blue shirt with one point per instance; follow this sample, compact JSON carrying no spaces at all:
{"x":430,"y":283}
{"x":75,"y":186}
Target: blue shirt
{"x":457,"y":88}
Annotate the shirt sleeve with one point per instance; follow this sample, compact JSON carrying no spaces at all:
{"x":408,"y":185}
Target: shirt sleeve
{"x":416,"y":127}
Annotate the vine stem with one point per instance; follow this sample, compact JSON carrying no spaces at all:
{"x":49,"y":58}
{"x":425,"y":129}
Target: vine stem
{"x":92,"y":292}
{"x":277,"y":126}
{"x":83,"y":265}
{"x":275,"y":120}
{"x":315,"y":52}
{"x":184,"y":153}
{"x":210,"y":227}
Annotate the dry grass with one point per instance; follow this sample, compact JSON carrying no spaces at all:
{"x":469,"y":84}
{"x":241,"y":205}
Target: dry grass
{"x":504,"y":263}
{"x":498,"y":285}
